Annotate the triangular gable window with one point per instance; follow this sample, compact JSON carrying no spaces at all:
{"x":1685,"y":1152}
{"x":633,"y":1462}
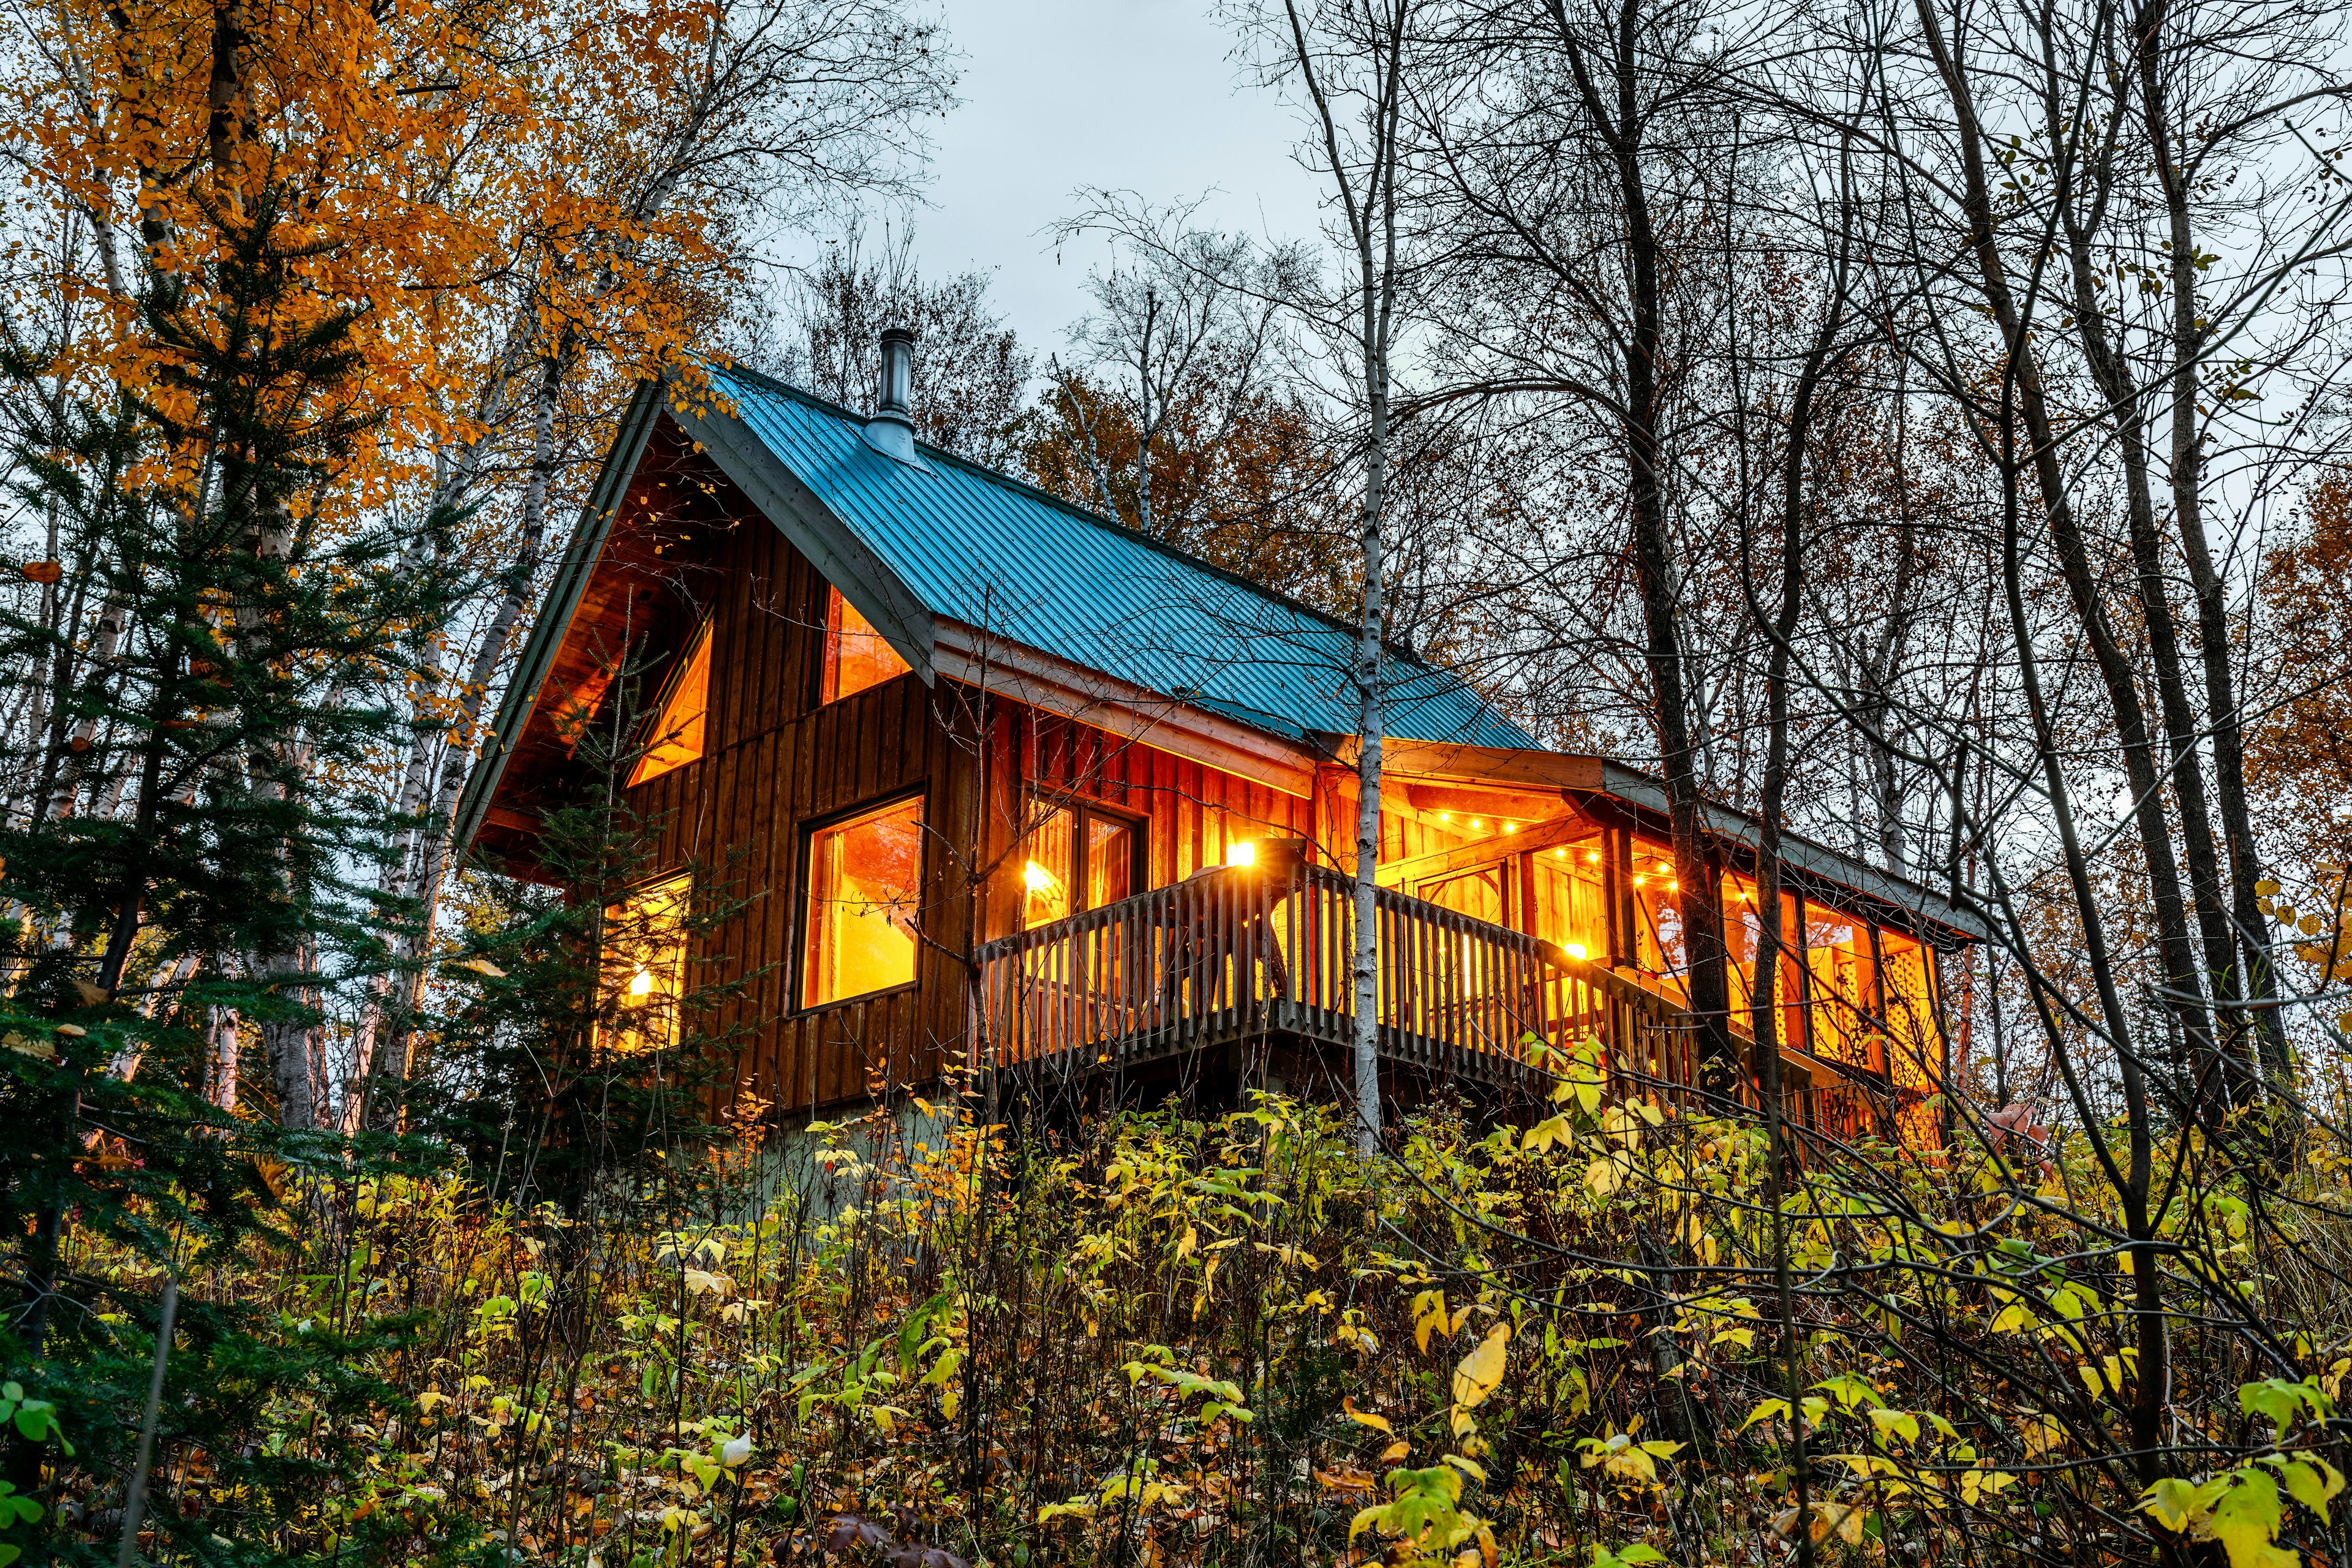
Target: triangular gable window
{"x":855,"y":654}
{"x":676,"y":738}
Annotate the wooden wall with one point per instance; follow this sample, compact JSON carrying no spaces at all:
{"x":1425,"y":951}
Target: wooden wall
{"x":773,"y":763}
{"x":1189,"y":812}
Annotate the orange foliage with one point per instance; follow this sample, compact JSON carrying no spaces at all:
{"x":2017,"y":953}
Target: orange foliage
{"x":431,"y":166}
{"x":2299,"y":753}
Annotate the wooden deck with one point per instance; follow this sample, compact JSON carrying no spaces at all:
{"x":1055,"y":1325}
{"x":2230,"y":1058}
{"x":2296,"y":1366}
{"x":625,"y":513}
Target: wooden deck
{"x":1252,"y":957}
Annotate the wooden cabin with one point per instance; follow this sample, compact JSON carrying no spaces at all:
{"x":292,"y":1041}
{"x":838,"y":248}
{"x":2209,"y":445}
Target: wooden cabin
{"x":1000,"y":785}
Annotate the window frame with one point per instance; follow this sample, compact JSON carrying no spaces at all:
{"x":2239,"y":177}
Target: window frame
{"x":700,"y":642}
{"x":612,"y":1036}
{"x":810,"y":829}
{"x":828,"y":595}
{"x":1082,"y":809}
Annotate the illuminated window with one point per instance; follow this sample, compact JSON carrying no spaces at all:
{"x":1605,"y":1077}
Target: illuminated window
{"x":864,"y":887}
{"x":1658,"y":949}
{"x":1075,"y":858}
{"x":1907,"y":977}
{"x":676,"y":738}
{"x":1743,"y":932}
{"x":1844,"y":988}
{"x":642,"y":942}
{"x":855,"y":654}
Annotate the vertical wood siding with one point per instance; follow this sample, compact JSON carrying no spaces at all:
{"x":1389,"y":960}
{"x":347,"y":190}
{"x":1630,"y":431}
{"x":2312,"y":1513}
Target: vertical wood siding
{"x":774,"y":763}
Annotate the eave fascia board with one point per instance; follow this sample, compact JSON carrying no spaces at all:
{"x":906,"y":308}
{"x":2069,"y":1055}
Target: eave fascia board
{"x":832,"y":546}
{"x":997,"y":664}
{"x":557,"y":608}
{"x":1451,"y":762}
{"x":1818,"y":861}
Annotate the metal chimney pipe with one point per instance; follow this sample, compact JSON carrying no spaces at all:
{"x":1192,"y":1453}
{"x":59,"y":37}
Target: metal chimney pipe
{"x":891,"y":430}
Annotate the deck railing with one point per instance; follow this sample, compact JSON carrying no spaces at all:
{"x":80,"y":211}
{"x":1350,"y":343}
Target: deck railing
{"x":1242,"y":952}
{"x":1249,"y":952}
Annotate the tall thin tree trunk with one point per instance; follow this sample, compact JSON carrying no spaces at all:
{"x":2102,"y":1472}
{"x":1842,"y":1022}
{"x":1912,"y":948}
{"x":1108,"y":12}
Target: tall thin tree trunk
{"x":1699,"y":898}
{"x":458,"y":758}
{"x":2259,"y":983}
{"x":1365,"y":975}
{"x":2216,"y":1076}
{"x":2152,"y":1382}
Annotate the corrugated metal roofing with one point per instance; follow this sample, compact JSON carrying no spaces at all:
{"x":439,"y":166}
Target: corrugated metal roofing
{"x":985,"y":549}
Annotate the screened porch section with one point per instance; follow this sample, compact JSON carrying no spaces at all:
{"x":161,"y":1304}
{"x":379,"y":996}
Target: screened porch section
{"x":1256,"y":952}
{"x":1252,"y":955}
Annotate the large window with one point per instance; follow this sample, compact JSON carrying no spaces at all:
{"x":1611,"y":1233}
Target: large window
{"x":864,"y":886}
{"x":1077,"y":857}
{"x":1660,"y":950}
{"x":855,"y":654}
{"x":1843,"y":975}
{"x":1743,"y":933}
{"x":676,"y":738}
{"x":643,"y":947}
{"x":1906,"y":974}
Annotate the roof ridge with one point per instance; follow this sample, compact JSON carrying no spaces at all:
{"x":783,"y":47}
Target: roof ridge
{"x":1088,"y":515}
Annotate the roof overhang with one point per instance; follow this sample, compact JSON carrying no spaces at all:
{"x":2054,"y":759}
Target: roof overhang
{"x":555,"y":612}
{"x":1131,"y":712}
{"x":1913,"y":898}
{"x":1580,"y":778}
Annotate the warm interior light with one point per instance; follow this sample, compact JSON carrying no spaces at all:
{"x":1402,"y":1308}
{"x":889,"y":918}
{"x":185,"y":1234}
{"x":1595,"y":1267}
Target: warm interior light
{"x":1241,"y":854}
{"x":641,"y":983}
{"x":1037,"y":877}
{"x":1578,"y":949}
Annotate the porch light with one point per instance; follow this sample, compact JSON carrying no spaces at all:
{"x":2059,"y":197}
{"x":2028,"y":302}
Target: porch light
{"x":1578,"y":949}
{"x":641,"y":983}
{"x":1038,"y":879}
{"x":1241,"y":854}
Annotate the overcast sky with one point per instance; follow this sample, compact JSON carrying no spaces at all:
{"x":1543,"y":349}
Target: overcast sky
{"x":1060,"y":94}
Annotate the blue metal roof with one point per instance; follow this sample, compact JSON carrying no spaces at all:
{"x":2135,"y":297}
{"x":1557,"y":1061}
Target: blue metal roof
{"x":980,"y":547}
